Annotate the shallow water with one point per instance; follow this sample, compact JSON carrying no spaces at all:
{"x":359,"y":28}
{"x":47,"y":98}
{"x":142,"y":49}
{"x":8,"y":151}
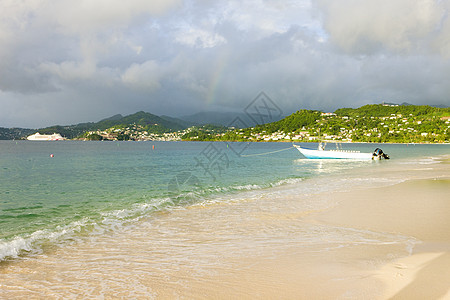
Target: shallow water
{"x":120,"y":219}
{"x":91,"y":187}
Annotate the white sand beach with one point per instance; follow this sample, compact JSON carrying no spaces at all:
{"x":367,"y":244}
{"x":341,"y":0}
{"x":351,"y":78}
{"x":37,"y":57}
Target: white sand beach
{"x":370,"y":241}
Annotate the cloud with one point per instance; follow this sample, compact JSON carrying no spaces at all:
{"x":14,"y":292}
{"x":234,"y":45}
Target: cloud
{"x":85,"y":16}
{"x":90,"y":59}
{"x":200,"y":38}
{"x":399,"y":26}
{"x":45,"y":35}
{"x":144,"y":77}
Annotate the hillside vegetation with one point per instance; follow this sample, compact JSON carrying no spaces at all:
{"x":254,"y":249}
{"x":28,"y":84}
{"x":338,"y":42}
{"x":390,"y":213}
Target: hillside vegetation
{"x":369,"y":123}
{"x":14,"y":133}
{"x":146,"y":121}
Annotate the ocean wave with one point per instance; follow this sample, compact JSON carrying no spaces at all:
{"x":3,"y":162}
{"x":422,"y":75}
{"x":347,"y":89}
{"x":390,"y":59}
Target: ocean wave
{"x":32,"y":243}
{"x":198,"y":195}
{"x":423,"y":161}
{"x":29,"y":244}
{"x":207,"y":191}
{"x":288,"y":181}
{"x":21,"y":209}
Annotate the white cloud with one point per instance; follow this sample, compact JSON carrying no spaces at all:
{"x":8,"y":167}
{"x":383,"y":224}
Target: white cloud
{"x":70,"y":70}
{"x":200,"y":38}
{"x":143,"y":77}
{"x":85,"y":16}
{"x":266,"y":17}
{"x":367,"y":27}
{"x":63,"y":36}
{"x":137,"y":49}
{"x":177,"y":56}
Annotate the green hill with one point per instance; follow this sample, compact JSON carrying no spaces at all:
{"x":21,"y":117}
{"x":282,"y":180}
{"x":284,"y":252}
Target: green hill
{"x":14,"y":133}
{"x":151,"y":123}
{"x":370,"y":123}
{"x":292,"y":123}
{"x":379,"y":110}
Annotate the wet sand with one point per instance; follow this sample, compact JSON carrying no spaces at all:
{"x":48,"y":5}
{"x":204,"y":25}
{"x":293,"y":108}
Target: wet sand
{"x":389,"y":241}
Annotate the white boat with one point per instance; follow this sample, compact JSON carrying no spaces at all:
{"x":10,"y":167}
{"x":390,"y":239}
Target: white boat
{"x":321,"y":153}
{"x":44,"y":137}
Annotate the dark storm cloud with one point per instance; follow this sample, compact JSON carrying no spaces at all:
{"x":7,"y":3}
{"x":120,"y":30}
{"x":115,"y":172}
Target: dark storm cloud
{"x":63,"y":62}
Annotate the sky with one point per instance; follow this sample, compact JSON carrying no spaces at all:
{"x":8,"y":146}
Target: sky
{"x":65,"y":62}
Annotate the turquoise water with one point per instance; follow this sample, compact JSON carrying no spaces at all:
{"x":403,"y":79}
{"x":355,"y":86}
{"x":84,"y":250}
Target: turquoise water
{"x":51,"y":193}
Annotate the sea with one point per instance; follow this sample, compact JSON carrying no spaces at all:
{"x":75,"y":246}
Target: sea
{"x":55,"y":192}
{"x":55,"y":195}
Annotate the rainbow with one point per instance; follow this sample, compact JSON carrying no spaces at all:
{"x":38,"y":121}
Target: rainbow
{"x":216,"y":78}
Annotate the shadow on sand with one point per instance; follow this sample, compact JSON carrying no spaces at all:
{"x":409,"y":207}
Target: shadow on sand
{"x":431,"y":282}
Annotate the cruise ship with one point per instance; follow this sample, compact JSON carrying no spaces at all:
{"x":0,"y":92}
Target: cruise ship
{"x":44,"y":137}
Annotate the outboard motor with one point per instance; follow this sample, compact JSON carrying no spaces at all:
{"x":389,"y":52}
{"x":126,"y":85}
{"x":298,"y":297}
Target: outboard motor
{"x":378,"y":154}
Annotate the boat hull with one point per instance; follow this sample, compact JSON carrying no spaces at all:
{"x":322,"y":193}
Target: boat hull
{"x":43,"y":137}
{"x":333,"y":154}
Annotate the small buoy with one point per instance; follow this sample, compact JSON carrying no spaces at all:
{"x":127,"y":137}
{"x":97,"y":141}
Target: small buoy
{"x":153,"y":147}
{"x":51,"y":155}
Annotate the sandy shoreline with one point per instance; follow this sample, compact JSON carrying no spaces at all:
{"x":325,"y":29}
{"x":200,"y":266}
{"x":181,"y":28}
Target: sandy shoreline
{"x":418,"y":208}
{"x":390,"y":241}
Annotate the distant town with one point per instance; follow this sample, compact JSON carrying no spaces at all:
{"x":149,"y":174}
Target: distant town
{"x":133,"y":133}
{"x":391,"y":127}
{"x":371,"y":123}
{"x":382,"y":123}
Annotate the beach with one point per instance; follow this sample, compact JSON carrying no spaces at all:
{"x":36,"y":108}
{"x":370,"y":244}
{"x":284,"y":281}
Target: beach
{"x":417,"y":208}
{"x":194,"y":149}
{"x":374,"y":232}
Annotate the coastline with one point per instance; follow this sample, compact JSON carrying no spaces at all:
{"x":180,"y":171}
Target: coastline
{"x":245,"y":141}
{"x":417,"y":208}
{"x":346,"y":244}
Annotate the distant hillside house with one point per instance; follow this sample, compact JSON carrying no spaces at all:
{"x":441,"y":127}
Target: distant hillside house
{"x":390,"y":104}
